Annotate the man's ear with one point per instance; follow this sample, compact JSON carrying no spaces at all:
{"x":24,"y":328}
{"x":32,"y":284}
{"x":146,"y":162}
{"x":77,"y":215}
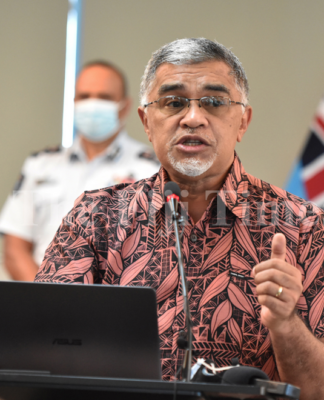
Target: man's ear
{"x":245,"y":122}
{"x":144,"y":119}
{"x":125,"y":108}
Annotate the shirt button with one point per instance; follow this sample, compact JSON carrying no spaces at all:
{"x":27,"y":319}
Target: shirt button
{"x":193,"y":238}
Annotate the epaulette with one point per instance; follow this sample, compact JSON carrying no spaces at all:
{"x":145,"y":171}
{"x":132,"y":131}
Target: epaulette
{"x":47,"y":150}
{"x":149,"y":155}
{"x":18,"y":184}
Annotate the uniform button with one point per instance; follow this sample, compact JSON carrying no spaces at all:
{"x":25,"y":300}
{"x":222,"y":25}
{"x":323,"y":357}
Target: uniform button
{"x":193,"y":238}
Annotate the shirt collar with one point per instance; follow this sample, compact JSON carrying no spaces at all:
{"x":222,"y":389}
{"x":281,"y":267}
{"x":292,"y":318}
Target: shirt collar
{"x":76,"y":152}
{"x":234,"y":193}
{"x":235,"y":190}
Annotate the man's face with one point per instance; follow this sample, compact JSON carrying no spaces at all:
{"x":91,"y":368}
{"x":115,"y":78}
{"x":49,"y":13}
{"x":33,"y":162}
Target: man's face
{"x":98,"y":82}
{"x":195,"y":144}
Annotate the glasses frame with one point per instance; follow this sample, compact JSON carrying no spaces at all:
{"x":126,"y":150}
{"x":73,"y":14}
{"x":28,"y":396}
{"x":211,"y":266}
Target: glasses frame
{"x":231,"y":102}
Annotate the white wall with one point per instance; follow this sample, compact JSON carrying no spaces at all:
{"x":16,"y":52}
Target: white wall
{"x":32,"y":43}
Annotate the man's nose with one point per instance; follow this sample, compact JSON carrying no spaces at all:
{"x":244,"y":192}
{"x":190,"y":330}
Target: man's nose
{"x":195,"y":115}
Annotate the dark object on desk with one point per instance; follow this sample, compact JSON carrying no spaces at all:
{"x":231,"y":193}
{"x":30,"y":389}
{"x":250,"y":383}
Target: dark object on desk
{"x":38,"y":387}
{"x":243,"y":375}
{"x":79,"y":330}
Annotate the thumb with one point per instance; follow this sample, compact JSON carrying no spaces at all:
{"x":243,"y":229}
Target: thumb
{"x":278,"y":248}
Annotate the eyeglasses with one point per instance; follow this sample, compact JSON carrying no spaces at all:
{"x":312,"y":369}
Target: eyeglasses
{"x":215,"y":105}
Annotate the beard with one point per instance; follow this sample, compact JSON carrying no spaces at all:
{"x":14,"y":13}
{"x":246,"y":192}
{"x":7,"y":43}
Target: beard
{"x":191,"y":166}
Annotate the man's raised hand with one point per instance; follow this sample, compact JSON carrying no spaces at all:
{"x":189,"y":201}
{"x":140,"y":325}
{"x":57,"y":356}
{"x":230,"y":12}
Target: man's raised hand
{"x":278,"y":286}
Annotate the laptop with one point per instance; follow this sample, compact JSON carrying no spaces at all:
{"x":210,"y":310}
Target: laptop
{"x":79,"y":330}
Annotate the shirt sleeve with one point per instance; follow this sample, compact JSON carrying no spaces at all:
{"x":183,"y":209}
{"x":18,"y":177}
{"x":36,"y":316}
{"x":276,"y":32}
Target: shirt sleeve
{"x":310,"y":263}
{"x":18,"y":212}
{"x":71,"y":256}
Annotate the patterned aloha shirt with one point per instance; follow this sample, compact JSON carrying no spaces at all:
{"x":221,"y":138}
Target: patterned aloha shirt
{"x":122,"y":235}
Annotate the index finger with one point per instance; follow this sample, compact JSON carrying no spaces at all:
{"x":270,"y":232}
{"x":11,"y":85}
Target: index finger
{"x":279,"y":265}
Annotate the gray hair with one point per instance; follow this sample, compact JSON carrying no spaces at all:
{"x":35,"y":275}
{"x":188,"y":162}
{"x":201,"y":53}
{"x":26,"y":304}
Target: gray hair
{"x":193,"y":51}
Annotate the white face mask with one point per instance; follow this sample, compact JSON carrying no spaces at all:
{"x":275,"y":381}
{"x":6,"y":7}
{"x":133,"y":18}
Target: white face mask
{"x":96,"y":119}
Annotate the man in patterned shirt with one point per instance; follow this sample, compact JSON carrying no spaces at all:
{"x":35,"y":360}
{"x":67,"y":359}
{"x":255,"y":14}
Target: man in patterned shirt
{"x":253,"y":253}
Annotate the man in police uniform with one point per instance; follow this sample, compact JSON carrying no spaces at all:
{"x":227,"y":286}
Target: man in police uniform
{"x":102,"y":155}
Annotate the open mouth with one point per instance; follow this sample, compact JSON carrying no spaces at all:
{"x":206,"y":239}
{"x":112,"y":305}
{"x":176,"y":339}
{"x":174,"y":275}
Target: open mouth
{"x":192,"y":143}
{"x":191,"y":140}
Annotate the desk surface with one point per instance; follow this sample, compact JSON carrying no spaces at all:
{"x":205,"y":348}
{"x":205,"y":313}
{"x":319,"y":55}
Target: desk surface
{"x":21,"y":386}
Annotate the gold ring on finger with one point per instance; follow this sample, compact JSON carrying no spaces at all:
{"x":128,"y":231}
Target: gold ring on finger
{"x":278,"y":294}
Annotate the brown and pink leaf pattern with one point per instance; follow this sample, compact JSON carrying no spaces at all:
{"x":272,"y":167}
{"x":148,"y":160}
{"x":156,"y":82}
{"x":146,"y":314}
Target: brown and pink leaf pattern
{"x":313,"y":269}
{"x":244,"y":238}
{"x":316,"y":310}
{"x":121,"y":235}
{"x":72,"y":268}
{"x":240,"y":300}
{"x":302,"y":304}
{"x":157,"y":201}
{"x":139,"y":202}
{"x":115,"y":261}
{"x":270,"y":367}
{"x":239,"y":263}
{"x":222,"y":314}
{"x":217,"y":286}
{"x":166,"y":320}
{"x":265,"y":346}
{"x":305,"y":252}
{"x":290,"y":257}
{"x":219,"y":251}
{"x":168,"y":285}
{"x":133,"y":270}
{"x":131,"y":243}
{"x":235,"y":331}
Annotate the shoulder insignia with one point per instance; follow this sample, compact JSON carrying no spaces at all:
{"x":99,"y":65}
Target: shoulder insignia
{"x":113,"y":154}
{"x":149,"y":155}
{"x":18,"y":184}
{"x":74,"y":157}
{"x":54,"y":149}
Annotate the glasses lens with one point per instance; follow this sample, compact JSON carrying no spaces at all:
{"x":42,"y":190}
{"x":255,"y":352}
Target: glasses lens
{"x":214,"y":105}
{"x":171,"y":105}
